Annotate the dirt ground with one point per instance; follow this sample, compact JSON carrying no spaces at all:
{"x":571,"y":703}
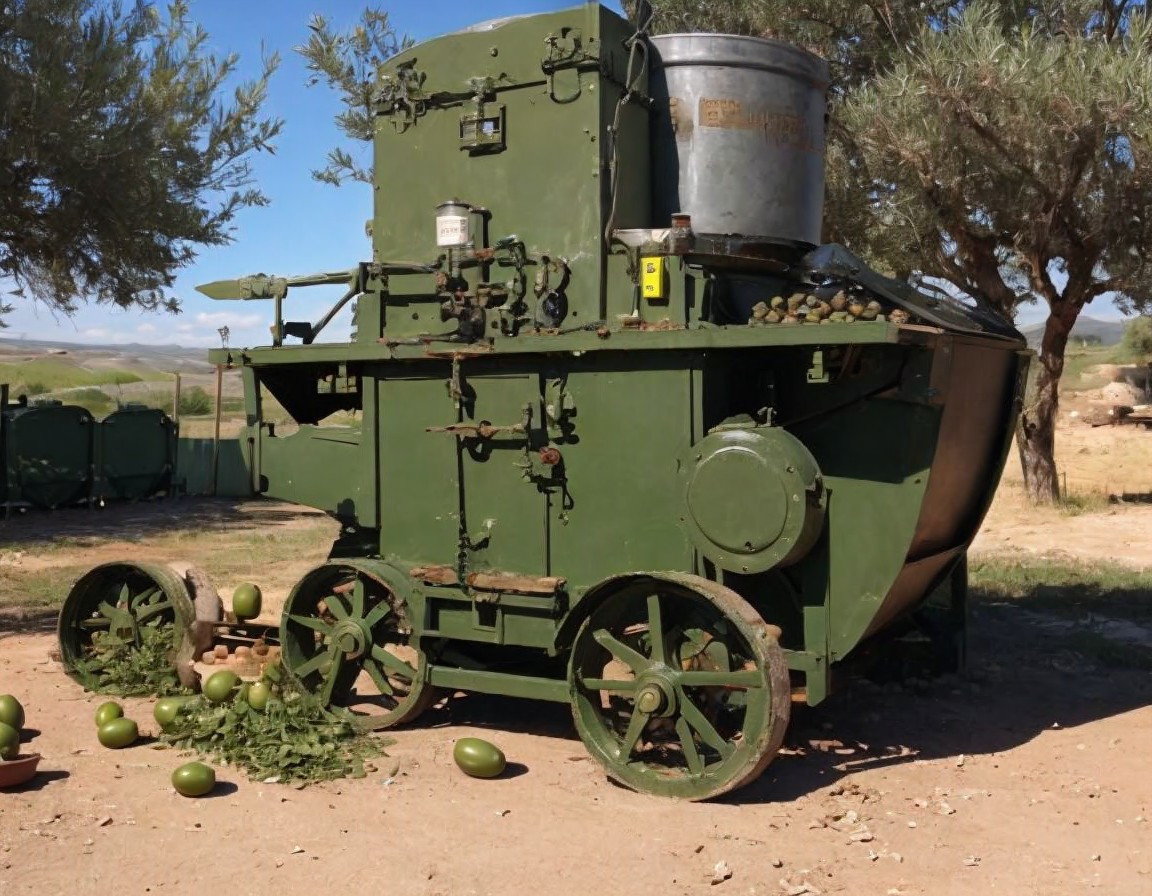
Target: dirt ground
{"x":1030,"y":775}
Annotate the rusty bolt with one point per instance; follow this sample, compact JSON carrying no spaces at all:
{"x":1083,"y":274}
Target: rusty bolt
{"x":550,"y":456}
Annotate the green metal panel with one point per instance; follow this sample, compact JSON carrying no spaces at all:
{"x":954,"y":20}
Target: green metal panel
{"x":620,"y":507}
{"x":136,"y":453}
{"x":546,"y":181}
{"x":194,"y":468}
{"x":299,"y":467}
{"x":49,"y":454}
{"x":419,"y":496}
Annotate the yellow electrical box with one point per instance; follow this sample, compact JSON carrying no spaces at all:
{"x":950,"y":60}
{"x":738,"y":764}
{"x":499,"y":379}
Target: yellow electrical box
{"x":652,"y":278}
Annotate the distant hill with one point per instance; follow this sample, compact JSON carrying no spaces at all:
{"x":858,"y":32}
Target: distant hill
{"x":169,"y":358}
{"x":1103,"y":332}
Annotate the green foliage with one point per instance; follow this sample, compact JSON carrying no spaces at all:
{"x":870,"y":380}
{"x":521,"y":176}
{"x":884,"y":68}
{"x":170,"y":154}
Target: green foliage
{"x":36,"y":589}
{"x":119,"y":154}
{"x":1065,"y":587}
{"x":1003,"y":148}
{"x":294,"y":739}
{"x":133,"y":670}
{"x":998,"y":158}
{"x":1138,"y":337}
{"x":95,"y":400}
{"x":1080,"y":594}
{"x":52,"y":374}
{"x":195,"y":402}
{"x":347,"y":63}
{"x":859,"y":40}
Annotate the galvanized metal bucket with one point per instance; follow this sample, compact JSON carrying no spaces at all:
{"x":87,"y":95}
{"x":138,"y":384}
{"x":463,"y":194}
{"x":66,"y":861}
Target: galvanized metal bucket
{"x":738,"y":142}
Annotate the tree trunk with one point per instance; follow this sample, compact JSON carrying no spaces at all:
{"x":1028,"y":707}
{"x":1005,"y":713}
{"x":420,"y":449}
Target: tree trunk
{"x":1036,"y":435}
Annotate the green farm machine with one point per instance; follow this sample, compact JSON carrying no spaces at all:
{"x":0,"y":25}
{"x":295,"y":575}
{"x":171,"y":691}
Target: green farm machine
{"x":612,"y":428}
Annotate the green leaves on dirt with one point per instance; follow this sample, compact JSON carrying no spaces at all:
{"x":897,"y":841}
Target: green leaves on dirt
{"x":293,"y":739}
{"x":132,"y":669}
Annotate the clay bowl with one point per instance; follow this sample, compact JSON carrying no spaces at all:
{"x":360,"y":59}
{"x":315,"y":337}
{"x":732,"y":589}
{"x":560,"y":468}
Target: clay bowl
{"x":19,"y":770}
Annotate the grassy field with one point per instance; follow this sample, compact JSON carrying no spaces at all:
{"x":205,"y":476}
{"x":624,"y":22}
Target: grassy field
{"x":1066,"y":588}
{"x":37,"y":571}
{"x":1084,"y":600}
{"x":44,"y":375}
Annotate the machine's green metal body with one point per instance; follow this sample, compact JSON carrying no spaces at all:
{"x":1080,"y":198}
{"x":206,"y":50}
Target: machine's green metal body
{"x":571,"y":439}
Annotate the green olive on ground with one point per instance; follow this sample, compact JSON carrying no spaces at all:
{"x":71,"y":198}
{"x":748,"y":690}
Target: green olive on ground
{"x":220,"y":686}
{"x":246,"y":601}
{"x":258,"y":695}
{"x":106,"y":712}
{"x":11,"y":712}
{"x":478,"y":758}
{"x":9,"y":742}
{"x":194,"y":779}
{"x":118,"y":733}
{"x":166,"y":710}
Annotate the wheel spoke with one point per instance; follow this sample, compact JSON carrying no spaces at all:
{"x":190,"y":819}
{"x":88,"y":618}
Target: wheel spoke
{"x":632,"y":735}
{"x":623,"y":686}
{"x":317,"y":625}
{"x":108,"y":611}
{"x":390,"y":661}
{"x":377,"y":613}
{"x":743,"y":679}
{"x":335,"y":604}
{"x":142,"y":597}
{"x":98,"y":623}
{"x":707,"y":731}
{"x":634,"y":660}
{"x":153,"y":611}
{"x":656,"y":628}
{"x":331,"y":677}
{"x":688,"y":745}
{"x":372,"y":667}
{"x":357,"y":599}
{"x":307,"y":667}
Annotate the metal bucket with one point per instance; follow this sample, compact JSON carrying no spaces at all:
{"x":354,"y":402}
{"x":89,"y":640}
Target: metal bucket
{"x":738,"y":138}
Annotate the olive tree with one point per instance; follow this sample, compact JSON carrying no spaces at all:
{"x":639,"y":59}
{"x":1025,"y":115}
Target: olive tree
{"x":123,"y":149}
{"x":1138,"y":337}
{"x":346,"y":61}
{"x":1004,"y":148}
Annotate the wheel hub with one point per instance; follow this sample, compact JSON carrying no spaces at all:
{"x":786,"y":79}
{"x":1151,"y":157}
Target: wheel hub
{"x":351,"y":637}
{"x":656,"y":696}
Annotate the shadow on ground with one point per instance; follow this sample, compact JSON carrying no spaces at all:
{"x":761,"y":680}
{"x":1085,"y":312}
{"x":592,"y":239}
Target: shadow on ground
{"x":121,"y":522}
{"x":27,"y":622}
{"x":1022,"y":680}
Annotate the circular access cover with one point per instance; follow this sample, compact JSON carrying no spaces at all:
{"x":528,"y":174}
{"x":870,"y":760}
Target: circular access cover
{"x":752,"y":522}
{"x":754,"y":498}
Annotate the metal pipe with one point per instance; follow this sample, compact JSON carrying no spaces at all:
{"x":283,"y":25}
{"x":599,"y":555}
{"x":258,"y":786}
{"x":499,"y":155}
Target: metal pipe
{"x":216,"y":433}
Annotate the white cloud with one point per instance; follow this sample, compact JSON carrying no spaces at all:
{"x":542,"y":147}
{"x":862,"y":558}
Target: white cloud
{"x":146,"y":329}
{"x":99,"y":333}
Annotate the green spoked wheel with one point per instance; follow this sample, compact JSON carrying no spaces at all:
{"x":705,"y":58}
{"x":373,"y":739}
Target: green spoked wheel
{"x":679,"y":687}
{"x":345,"y":637}
{"x":120,"y":604}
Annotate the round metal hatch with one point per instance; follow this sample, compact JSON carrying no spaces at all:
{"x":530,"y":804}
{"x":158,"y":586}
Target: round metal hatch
{"x":754,"y":498}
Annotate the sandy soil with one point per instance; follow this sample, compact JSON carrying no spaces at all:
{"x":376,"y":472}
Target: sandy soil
{"x":1027,"y":776}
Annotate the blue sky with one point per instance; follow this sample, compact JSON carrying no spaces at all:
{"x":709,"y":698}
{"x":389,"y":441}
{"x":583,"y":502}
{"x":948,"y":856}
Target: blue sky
{"x":309,"y":226}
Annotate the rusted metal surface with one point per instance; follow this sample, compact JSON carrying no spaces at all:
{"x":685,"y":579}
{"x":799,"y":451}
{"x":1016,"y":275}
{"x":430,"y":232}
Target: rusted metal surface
{"x":481,"y":430}
{"x":435,"y":575}
{"x":518,"y":584}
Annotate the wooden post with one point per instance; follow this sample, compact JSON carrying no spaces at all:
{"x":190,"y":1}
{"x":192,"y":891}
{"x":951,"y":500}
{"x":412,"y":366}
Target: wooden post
{"x":176,"y":402}
{"x":3,"y":451}
{"x":216,"y":432}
